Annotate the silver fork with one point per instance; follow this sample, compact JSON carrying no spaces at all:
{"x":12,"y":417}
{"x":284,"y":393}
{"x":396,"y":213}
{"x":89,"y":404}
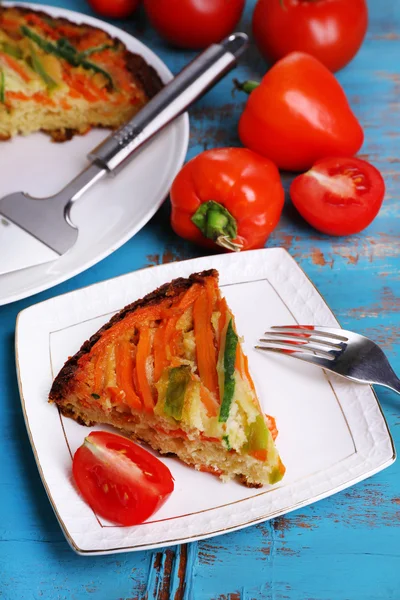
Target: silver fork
{"x":345,"y":353}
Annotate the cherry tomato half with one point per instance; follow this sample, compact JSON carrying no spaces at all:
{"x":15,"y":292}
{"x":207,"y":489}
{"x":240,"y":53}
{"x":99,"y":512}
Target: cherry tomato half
{"x":194,"y":23}
{"x":330,"y":30}
{"x":339,"y":196}
{"x":120,"y":480}
{"x":115,"y":9}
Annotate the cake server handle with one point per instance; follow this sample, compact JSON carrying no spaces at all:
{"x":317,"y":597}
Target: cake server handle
{"x":191,"y":83}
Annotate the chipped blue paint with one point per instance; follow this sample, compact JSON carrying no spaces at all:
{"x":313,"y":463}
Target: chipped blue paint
{"x":345,"y":547}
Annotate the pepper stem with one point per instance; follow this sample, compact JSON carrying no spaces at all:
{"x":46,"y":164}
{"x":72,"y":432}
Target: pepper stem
{"x":225,"y":242}
{"x":216,"y":223}
{"x":246,"y":86}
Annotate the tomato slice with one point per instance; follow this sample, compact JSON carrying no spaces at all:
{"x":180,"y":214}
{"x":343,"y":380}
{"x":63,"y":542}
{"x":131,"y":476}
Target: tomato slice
{"x":120,"y":480}
{"x":339,"y":196}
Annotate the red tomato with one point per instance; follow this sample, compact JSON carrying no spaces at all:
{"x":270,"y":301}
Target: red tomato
{"x":120,"y":480}
{"x":330,"y":30}
{"x":339,"y":196}
{"x":115,"y":9}
{"x":194,"y":23}
{"x":299,"y":114}
{"x":227,"y":196}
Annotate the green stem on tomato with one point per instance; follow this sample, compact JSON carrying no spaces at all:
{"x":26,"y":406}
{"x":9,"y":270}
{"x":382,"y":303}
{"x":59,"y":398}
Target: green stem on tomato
{"x":216,"y":223}
{"x":246,"y":86}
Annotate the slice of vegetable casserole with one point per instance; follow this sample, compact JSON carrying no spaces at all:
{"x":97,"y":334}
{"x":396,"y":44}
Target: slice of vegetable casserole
{"x":170,"y":370}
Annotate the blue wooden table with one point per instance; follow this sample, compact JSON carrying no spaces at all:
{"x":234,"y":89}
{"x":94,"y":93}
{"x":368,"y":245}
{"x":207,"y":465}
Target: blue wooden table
{"x":343,"y":548}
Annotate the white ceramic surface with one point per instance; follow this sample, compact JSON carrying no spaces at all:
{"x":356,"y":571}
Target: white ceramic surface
{"x":332,"y":432}
{"x":114,"y":209}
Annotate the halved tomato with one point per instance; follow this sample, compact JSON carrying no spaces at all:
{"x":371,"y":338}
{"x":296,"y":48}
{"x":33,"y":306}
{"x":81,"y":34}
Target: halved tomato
{"x":339,"y":196}
{"x":120,"y":480}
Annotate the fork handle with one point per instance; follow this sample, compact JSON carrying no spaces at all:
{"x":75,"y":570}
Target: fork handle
{"x":191,"y":83}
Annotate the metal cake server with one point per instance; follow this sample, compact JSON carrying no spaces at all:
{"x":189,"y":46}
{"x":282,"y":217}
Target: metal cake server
{"x":45,"y":230}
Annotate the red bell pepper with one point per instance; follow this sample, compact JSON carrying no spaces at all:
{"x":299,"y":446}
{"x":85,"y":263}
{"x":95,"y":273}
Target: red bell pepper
{"x":299,"y":114}
{"x":231,"y":197}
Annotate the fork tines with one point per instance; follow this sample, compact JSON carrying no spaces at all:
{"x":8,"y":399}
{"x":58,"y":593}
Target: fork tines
{"x":303,"y":339}
{"x":307,"y":330}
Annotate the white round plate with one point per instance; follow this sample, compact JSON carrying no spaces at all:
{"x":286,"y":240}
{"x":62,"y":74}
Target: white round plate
{"x":114,"y":209}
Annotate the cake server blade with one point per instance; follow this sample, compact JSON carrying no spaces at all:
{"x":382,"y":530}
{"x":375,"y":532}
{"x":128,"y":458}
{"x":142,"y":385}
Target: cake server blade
{"x":20,"y":250}
{"x":39,"y":230}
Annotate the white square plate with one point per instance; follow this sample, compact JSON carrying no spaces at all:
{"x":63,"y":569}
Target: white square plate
{"x":332,"y":432}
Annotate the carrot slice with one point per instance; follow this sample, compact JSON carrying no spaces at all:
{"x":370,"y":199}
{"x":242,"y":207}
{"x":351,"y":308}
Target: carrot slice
{"x":211,"y":405}
{"x":259,"y":455}
{"x":15,"y":66}
{"x":99,"y":373}
{"x":124,"y":364}
{"x":16,"y":96}
{"x":245,"y":362}
{"x":67,"y":30}
{"x":33,"y":19}
{"x":211,"y":292}
{"x":91,"y":87}
{"x":170,"y":336}
{"x":64,"y":104}
{"x":206,"y":438}
{"x":223,"y":309}
{"x":205,"y":349}
{"x":83,"y":90}
{"x":165,"y":345}
{"x":189,"y":297}
{"x":160,"y":354}
{"x":242,"y":365}
{"x":143,"y":352}
{"x":210,"y":469}
{"x":137,"y":318}
{"x":73,"y":93}
{"x":42,"y":98}
{"x":78,"y":85}
{"x":272,"y":426}
{"x":116,"y":394}
{"x":281,"y":466}
{"x":6,"y":23}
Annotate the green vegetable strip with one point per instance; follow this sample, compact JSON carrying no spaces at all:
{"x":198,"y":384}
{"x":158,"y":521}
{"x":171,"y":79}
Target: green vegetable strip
{"x":90,"y":51}
{"x":179,"y":378}
{"x":258,"y":435}
{"x":40,"y":70}
{"x":226,"y":440}
{"x":231,"y":343}
{"x":63,"y":49}
{"x":2,"y":88}
{"x":11,"y":50}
